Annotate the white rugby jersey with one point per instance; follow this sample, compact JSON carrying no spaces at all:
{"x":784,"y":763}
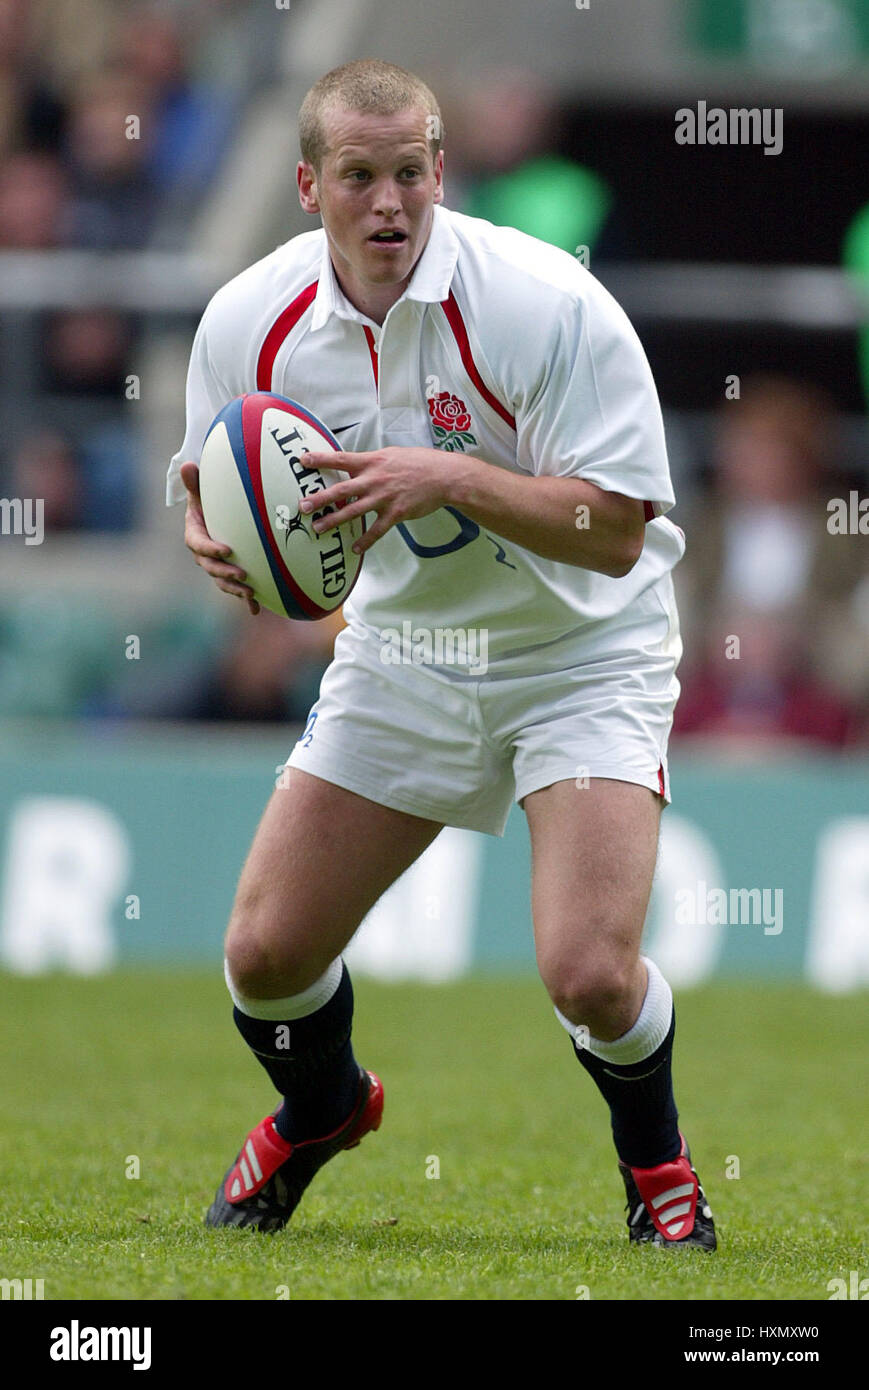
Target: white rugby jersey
{"x":502,"y":347}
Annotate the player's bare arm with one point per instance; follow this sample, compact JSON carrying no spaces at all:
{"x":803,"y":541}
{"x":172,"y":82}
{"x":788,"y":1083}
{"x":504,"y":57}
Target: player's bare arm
{"x":211,"y":555}
{"x":541,"y":514}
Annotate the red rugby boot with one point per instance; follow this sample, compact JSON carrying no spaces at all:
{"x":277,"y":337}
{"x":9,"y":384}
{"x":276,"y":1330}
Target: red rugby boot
{"x":266,"y":1182}
{"x":667,"y":1206}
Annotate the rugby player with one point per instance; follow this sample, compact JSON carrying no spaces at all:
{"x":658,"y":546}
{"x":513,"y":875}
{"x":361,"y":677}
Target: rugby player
{"x":504,"y":437}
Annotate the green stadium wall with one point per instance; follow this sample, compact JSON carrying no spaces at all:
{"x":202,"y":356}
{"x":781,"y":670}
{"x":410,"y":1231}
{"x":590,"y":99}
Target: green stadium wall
{"x":123,"y":845}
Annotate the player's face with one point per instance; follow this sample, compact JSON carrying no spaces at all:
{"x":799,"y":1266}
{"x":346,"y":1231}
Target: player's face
{"x":375,"y":192}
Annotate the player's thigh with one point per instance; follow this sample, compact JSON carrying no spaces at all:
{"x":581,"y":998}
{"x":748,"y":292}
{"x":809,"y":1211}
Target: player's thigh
{"x":320,"y":859}
{"x":594,"y":850}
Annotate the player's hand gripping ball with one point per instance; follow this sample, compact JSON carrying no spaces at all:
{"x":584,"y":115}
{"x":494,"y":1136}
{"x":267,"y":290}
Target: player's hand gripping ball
{"x":252,"y":477}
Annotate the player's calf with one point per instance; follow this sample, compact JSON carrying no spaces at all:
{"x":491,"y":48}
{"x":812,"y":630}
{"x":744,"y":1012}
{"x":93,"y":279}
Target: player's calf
{"x":303,"y":1042}
{"x":633,"y":1074}
{"x":666,"y":1205}
{"x":329,"y":1102}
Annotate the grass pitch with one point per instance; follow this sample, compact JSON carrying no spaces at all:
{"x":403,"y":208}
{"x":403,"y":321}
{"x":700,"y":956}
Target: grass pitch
{"x":145,"y":1072}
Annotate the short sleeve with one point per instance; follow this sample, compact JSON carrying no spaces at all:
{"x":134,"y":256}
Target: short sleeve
{"x":206,"y":395}
{"x":595,"y":413}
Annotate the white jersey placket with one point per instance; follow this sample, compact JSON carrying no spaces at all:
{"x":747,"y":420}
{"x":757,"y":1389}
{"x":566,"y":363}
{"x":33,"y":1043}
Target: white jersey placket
{"x":402,"y":411}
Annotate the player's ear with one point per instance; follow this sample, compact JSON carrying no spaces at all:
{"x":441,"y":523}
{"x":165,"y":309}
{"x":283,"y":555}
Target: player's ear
{"x":439,"y":177}
{"x":306,"y":178}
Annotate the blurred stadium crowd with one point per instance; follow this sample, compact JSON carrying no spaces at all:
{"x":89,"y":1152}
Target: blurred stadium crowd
{"x":762,"y":566}
{"x":106,"y":133}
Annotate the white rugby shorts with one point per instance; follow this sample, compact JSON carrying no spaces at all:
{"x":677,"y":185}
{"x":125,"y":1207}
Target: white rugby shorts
{"x":459,"y":749}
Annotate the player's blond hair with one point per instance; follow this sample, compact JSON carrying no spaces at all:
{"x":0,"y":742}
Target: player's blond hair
{"x":373,"y":88}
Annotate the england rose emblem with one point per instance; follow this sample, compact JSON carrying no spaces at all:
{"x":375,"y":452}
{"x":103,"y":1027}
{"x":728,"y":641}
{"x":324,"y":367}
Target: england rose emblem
{"x":451,"y":422}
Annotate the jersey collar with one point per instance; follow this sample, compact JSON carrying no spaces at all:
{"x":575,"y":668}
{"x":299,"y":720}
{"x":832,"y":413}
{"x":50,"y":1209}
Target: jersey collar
{"x":430,"y":282}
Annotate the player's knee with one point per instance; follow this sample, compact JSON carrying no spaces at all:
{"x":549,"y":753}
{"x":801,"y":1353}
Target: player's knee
{"x":266,"y":964}
{"x":590,"y":992}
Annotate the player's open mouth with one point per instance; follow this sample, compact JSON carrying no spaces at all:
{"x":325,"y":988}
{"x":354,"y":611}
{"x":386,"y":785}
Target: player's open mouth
{"x":389,"y":238}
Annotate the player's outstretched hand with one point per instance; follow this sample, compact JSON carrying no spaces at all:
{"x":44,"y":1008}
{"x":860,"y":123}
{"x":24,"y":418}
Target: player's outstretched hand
{"x":209,"y":554}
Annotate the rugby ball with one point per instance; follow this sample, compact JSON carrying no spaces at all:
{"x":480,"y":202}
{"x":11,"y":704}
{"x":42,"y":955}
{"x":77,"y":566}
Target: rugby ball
{"x":252,"y":477}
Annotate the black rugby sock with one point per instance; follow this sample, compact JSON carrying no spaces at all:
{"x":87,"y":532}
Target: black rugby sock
{"x":640,"y":1097}
{"x":310,"y":1061}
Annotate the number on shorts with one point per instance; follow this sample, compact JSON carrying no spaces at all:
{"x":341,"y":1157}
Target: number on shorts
{"x":305,"y":740}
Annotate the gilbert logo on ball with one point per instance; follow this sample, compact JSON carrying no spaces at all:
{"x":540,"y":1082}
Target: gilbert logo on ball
{"x":252,"y":477}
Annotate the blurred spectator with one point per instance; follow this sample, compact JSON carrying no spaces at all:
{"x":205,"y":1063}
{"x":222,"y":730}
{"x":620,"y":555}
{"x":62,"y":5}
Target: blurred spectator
{"x":766,"y":532}
{"x":502,"y":134}
{"x":759,"y":535}
{"x":110,"y":128}
{"x":33,"y":193}
{"x":549,"y":197}
{"x":191,"y":121}
{"x":111,"y":462}
{"x":755,"y":684}
{"x":262,"y":669}
{"x":72,"y":39}
{"x":31,"y":112}
{"x":87,"y":351}
{"x":759,"y":550}
{"x":45,"y":466}
{"x":88,"y":483}
{"x":14,"y":39}
{"x":270,"y":670}
{"x":498,"y":123}
{"x":102,"y":131}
